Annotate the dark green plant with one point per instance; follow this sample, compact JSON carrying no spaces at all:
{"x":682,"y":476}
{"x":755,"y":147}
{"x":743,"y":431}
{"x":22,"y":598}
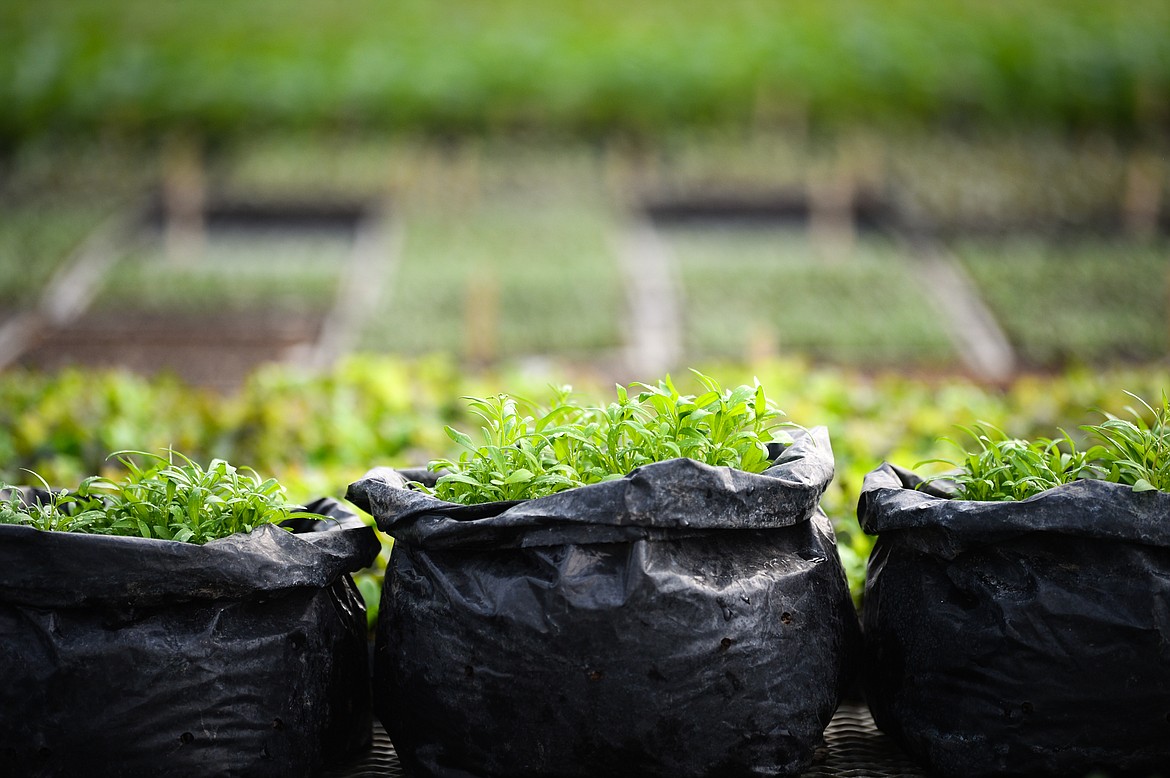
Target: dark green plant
{"x":1004,"y":468}
{"x":1136,"y":452}
{"x":168,"y":498}
{"x":529,"y":451}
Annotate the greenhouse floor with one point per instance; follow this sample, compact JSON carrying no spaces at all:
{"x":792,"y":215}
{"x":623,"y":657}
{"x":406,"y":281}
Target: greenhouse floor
{"x":854,"y":748}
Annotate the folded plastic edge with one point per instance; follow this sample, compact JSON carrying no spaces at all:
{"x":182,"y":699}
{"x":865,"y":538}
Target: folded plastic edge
{"x":893,"y":499}
{"x":788,"y":492}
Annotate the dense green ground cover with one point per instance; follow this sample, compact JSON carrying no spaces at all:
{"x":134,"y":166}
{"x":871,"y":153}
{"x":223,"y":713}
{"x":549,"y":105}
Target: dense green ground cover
{"x":242,"y":273}
{"x":503,"y":277}
{"x":133,"y":65}
{"x":35,"y":240}
{"x":755,"y":289}
{"x":1091,"y":301}
{"x":319,"y":433}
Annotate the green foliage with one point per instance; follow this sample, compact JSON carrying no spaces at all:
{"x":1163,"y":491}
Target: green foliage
{"x":63,"y":426}
{"x":862,"y":308}
{"x":1134,"y":452}
{"x":59,"y":511}
{"x":1004,"y":468}
{"x":163,"y":499}
{"x":1137,"y":452}
{"x":515,"y":460}
{"x":1094,"y":301}
{"x":133,"y":65}
{"x":231,"y":273}
{"x":318,"y":431}
{"x":529,"y":452}
{"x":511,"y":276}
{"x":35,"y":239}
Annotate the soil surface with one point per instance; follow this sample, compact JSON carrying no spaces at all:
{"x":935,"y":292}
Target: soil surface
{"x":212,"y":350}
{"x":292,"y":217}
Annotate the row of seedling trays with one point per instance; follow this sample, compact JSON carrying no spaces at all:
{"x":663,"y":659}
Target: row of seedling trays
{"x":209,"y":287}
{"x":646,"y":587}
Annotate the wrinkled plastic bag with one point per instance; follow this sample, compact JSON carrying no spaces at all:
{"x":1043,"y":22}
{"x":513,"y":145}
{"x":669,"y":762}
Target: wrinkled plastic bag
{"x":685,"y":620}
{"x":1024,"y":638}
{"x":124,"y":656}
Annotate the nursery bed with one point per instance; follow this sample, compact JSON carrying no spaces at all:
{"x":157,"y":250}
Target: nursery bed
{"x":853,"y":747}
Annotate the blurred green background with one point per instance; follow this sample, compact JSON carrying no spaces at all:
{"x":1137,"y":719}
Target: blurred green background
{"x":584,"y":68}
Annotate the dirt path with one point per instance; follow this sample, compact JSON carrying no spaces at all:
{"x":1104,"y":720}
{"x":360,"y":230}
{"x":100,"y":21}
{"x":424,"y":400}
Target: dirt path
{"x":973,"y":329}
{"x":653,"y":293}
{"x":218,"y":349}
{"x":368,"y":276}
{"x":68,"y":293}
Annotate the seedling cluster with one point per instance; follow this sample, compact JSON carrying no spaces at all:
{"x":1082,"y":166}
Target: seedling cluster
{"x":1006,"y":468}
{"x":527,"y":450}
{"x":1133,"y":452}
{"x":168,"y":498}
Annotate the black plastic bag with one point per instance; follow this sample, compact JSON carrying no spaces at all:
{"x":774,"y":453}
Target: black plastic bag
{"x":1024,"y":638}
{"x":685,"y":620}
{"x":124,"y":656}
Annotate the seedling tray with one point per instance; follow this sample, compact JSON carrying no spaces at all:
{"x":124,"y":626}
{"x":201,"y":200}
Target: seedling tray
{"x":853,"y":748}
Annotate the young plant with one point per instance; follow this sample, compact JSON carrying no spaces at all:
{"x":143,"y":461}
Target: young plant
{"x":1136,"y":452}
{"x":530,"y":451}
{"x":55,"y":511}
{"x":1003,"y":468}
{"x":164,"y":499}
{"x":515,"y":459}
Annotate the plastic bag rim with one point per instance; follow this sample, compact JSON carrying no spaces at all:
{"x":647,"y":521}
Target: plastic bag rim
{"x":499,"y":506}
{"x":888,"y":491}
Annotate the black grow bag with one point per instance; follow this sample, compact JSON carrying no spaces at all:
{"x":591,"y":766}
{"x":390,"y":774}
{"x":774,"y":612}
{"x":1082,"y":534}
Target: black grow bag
{"x":1022,"y":638}
{"x":685,"y":620}
{"x":124,"y":656}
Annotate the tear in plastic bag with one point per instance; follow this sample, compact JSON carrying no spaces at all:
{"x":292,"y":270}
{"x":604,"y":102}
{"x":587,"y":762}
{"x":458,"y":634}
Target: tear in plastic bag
{"x":685,"y":620}
{"x":1020,"y":638}
{"x":125,"y":656}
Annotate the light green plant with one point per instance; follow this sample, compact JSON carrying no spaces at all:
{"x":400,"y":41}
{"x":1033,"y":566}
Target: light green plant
{"x":515,"y":459}
{"x":1004,"y":468}
{"x":54,"y":511}
{"x":529,"y":451}
{"x":167,"y":498}
{"x":1136,"y":452}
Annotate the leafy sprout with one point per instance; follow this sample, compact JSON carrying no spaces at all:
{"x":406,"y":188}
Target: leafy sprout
{"x":168,"y":498}
{"x":1136,"y":452}
{"x":527,"y":450}
{"x":1004,"y":468}
{"x":55,"y":511}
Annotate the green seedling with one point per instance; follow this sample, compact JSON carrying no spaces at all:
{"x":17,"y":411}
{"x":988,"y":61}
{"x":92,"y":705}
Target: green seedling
{"x":526,"y":450}
{"x":1136,"y":452}
{"x":1004,"y":468}
{"x":167,"y":498}
{"x":56,"y":511}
